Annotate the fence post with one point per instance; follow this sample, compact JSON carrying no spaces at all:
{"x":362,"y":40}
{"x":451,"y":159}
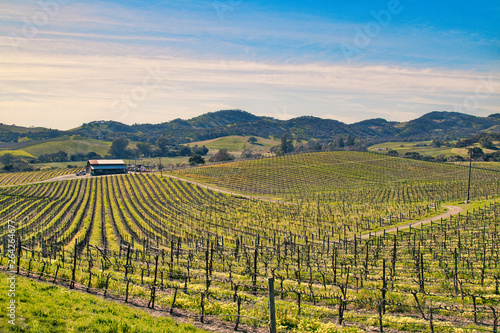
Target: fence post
{"x":72,"y":285}
{"x":272,"y":309}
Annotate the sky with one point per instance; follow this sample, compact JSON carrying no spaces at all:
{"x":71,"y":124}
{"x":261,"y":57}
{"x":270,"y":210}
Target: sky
{"x":67,"y":62}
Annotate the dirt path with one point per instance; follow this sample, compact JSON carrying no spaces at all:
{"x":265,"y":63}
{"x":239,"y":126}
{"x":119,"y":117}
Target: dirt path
{"x":452,"y":210}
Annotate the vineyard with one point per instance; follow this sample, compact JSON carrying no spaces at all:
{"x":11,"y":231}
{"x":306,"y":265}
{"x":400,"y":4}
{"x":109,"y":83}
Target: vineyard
{"x":186,"y":247}
{"x":31,"y":177}
{"x":346,"y":176}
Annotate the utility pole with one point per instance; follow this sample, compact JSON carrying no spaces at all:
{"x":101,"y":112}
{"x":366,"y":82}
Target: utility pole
{"x":470,"y":170}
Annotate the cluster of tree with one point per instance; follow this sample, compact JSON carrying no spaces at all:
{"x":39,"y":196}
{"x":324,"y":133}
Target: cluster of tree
{"x":62,"y":156}
{"x":119,"y":149}
{"x":445,"y":125}
{"x":248,"y":154}
{"x":221,"y":156}
{"x":13,"y":163}
{"x":45,"y":134}
{"x":337,"y":143}
{"x":485,"y":140}
{"x":85,"y":157}
{"x":476,"y":154}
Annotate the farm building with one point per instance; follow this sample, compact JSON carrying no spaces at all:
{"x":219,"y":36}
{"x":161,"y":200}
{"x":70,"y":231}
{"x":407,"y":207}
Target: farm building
{"x":105,"y":167}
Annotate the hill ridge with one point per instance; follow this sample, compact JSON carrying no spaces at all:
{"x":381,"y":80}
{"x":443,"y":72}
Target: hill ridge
{"x":211,"y":125}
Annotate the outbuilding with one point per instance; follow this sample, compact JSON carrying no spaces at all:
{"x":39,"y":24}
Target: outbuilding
{"x":106,"y":167}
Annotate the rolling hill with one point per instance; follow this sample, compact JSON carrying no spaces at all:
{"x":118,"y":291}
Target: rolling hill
{"x":232,"y":123}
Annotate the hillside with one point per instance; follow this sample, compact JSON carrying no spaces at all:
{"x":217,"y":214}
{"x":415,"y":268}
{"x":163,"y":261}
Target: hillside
{"x":340,"y":176}
{"x":237,"y":143}
{"x":68,"y":144}
{"x":230,"y":123}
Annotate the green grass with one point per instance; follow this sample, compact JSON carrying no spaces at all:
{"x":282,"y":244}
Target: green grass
{"x":42,"y":307}
{"x":71,"y":145}
{"x":237,"y":143}
{"x":417,"y":147}
{"x":406,"y":147}
{"x":19,"y":152}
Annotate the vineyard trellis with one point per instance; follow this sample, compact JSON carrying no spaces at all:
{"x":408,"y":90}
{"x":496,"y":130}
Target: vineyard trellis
{"x":183,"y":246}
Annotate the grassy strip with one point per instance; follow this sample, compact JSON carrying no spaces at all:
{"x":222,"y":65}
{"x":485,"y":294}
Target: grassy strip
{"x":42,"y":307}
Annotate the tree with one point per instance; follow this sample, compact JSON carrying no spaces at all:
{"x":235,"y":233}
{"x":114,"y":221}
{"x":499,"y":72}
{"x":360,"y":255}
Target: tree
{"x":476,"y":152}
{"x":185,"y":151}
{"x":392,"y":152}
{"x":252,"y":140}
{"x":340,"y":141}
{"x":196,"y":159}
{"x":486,"y":143}
{"x":286,"y":144}
{"x":132,"y":153}
{"x":118,"y":148}
{"x":145,"y":148}
{"x":8,"y":167}
{"x":246,"y":154}
{"x":350,"y":140}
{"x":162,"y":143}
{"x":200,"y":150}
{"x":7,"y":158}
{"x":93,"y":156}
{"x":436,"y":143}
{"x":221,"y":155}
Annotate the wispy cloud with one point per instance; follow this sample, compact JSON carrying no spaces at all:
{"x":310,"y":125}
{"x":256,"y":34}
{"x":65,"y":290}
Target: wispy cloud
{"x":44,"y":85}
{"x":89,"y":55}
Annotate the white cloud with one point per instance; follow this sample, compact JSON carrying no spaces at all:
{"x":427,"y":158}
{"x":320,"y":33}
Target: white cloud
{"x":89,"y":56}
{"x":46,"y":87}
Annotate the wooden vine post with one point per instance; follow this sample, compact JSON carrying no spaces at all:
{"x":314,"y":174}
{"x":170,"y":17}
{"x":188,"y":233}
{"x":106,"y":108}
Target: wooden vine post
{"x":272,"y":308}
{"x":72,"y":285}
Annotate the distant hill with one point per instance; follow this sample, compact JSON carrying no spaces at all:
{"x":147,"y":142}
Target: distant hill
{"x":452,"y":124}
{"x":442,"y":124}
{"x":68,"y":144}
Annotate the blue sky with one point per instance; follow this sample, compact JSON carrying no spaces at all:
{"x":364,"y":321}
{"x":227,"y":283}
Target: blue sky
{"x":65,"y":62}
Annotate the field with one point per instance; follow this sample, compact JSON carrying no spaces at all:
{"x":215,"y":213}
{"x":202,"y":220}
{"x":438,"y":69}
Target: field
{"x":423,"y":148}
{"x":352,"y":177}
{"x":18,"y":152}
{"x":69,"y":144}
{"x":237,"y":143}
{"x":34,"y":176}
{"x":53,"y":309}
{"x":307,"y":220}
